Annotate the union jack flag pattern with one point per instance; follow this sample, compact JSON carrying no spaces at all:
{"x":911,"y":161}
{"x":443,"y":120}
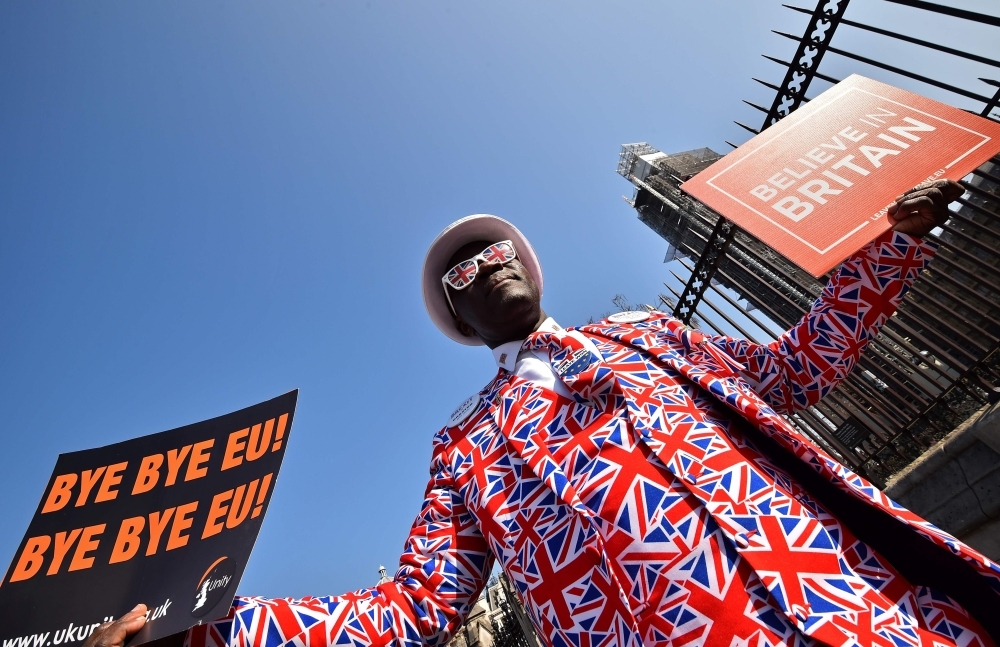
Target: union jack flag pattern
{"x":640,"y":512}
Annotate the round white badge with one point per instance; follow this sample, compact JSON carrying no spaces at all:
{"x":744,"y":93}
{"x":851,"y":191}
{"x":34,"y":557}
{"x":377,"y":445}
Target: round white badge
{"x":464,"y":410}
{"x":629,"y":316}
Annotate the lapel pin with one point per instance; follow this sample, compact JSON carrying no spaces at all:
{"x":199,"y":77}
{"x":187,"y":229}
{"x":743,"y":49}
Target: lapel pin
{"x":464,"y":410}
{"x":629,"y":316}
{"x":576,"y":363}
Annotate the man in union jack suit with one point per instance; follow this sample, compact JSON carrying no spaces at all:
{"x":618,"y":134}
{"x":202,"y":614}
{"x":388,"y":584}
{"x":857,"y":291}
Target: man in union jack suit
{"x":639,"y":485}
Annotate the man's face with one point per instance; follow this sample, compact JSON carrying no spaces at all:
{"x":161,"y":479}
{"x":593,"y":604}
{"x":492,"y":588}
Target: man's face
{"x":501,"y":304}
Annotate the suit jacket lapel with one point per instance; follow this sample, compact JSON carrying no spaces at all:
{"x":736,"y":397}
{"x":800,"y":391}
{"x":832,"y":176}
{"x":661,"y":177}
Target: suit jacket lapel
{"x":519,"y":415}
{"x":710,"y":369}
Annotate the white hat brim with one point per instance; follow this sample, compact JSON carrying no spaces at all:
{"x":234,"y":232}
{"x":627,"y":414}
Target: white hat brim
{"x":480,"y":226}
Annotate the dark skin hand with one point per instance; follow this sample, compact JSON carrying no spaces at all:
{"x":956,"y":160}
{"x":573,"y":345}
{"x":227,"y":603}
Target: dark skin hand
{"x":924,"y":207}
{"x":114,"y":634}
{"x":503,"y":302}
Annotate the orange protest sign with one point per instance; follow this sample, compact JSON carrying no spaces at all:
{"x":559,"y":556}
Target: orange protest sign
{"x":816,"y":185}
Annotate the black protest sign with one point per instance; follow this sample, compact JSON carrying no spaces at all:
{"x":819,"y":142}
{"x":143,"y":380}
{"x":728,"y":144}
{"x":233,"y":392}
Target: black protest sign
{"x":167,"y":520}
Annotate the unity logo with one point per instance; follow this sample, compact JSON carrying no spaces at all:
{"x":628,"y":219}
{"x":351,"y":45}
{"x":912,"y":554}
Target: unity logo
{"x":213,"y":585}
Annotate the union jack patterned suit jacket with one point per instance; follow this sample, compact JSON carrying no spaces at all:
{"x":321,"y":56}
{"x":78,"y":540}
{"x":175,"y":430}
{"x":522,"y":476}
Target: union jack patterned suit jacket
{"x":497,"y":491}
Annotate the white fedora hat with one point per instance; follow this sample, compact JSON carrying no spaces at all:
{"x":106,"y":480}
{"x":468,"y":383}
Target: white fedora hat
{"x":481,"y":226}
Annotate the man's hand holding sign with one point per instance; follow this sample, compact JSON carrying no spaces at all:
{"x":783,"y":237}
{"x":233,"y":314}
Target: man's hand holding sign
{"x":115,"y":633}
{"x":924,"y":207}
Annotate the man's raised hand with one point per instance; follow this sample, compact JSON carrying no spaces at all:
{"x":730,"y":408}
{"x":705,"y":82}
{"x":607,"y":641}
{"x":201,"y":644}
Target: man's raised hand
{"x":114,"y":634}
{"x":924,"y":207}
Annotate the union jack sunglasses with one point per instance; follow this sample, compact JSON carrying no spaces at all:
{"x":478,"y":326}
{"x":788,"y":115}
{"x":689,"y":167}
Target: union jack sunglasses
{"x":462,"y":275}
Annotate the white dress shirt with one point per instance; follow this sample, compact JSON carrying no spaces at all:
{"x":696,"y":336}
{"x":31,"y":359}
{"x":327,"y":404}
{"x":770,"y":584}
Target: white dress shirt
{"x":533,"y":365}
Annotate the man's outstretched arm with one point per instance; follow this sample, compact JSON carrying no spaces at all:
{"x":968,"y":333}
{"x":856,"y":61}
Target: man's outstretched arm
{"x":807,"y":361}
{"x":442,"y":571}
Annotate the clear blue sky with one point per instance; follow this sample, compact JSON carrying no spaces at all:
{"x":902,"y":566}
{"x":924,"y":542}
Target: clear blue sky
{"x":204,"y":205}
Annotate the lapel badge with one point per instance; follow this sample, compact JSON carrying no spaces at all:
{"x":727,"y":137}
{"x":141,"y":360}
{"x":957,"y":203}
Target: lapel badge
{"x":464,"y":410}
{"x":629,"y":316}
{"x":576,"y":363}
